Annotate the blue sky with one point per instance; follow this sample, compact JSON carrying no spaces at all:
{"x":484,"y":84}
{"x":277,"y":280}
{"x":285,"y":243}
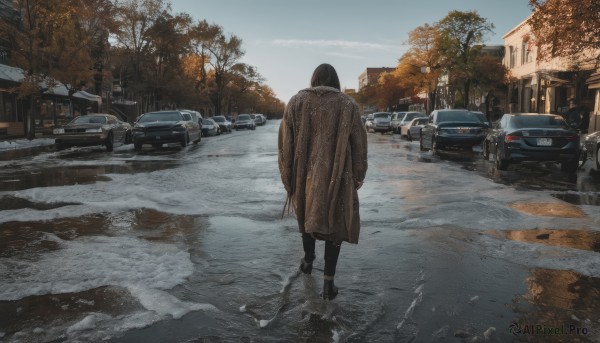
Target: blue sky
{"x":287,"y":40}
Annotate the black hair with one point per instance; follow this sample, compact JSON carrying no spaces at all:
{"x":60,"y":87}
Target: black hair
{"x":325,"y":75}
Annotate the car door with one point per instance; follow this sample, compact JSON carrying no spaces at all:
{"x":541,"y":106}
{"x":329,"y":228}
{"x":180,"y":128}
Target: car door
{"x":192,"y":126}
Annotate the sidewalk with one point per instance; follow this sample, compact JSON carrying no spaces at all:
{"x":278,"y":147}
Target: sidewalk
{"x":21,"y":147}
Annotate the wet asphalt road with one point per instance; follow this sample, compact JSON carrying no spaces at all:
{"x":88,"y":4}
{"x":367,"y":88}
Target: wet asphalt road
{"x":187,"y":245}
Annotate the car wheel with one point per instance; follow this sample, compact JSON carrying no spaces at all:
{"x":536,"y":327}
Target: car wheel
{"x":408,"y":136}
{"x":501,"y":163}
{"x":486,"y":151}
{"x":137,"y":146}
{"x":110,"y":142}
{"x":185,"y":140}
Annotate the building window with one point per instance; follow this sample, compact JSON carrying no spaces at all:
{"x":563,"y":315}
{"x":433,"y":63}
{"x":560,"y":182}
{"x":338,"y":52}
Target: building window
{"x":512,"y":56}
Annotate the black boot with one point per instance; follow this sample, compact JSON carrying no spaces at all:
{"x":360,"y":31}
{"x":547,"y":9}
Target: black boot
{"x":305,"y":267}
{"x":330,"y":291}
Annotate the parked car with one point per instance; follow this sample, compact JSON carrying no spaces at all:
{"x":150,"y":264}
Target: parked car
{"x":244,"y":121}
{"x":210,"y":127}
{"x":380,"y":122}
{"x":518,"y":137}
{"x":94,"y":129}
{"x":403,"y":121}
{"x":395,"y":119}
{"x":224,"y":123}
{"x":452,"y":128}
{"x":591,"y":148}
{"x":195,"y":127}
{"x":403,"y":124}
{"x":260,"y":119}
{"x":369,"y":122}
{"x":158,"y":128}
{"x":413,"y":129}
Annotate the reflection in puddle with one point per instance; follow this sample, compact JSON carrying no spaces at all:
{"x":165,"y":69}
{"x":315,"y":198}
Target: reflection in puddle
{"x":560,"y":299}
{"x":67,"y":176}
{"x":578,"y":239}
{"x":549,"y":209}
{"x":164,"y":227}
{"x":27,"y":239}
{"x":579,"y":198}
{"x":40,"y":311}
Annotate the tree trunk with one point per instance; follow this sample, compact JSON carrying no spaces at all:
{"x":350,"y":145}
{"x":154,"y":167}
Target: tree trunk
{"x":30,"y":120}
{"x":467,"y":85}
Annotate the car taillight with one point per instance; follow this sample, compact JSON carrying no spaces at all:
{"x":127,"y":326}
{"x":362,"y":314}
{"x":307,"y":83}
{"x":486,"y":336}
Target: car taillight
{"x":511,"y":138}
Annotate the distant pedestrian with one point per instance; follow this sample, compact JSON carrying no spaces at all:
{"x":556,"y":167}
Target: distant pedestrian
{"x":323,"y":162}
{"x":573,"y":115}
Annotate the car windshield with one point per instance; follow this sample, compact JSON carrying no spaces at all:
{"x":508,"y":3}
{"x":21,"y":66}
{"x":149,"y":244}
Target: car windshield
{"x":381,"y":115}
{"x":457,"y":116}
{"x":537,"y":122}
{"x":410,"y":116}
{"x":90,"y":120}
{"x":219,"y":119}
{"x":243,"y":117}
{"x":160,"y":116}
{"x":420,"y":121}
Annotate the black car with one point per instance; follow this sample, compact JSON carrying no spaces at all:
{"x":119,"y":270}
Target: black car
{"x":158,"y":128}
{"x":518,"y":137}
{"x":591,"y":146}
{"x":210,"y":127}
{"x":93,"y":129}
{"x":452,"y":128}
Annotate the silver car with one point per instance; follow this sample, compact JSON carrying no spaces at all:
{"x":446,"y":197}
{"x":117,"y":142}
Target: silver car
{"x":94,"y":129}
{"x":244,"y":121}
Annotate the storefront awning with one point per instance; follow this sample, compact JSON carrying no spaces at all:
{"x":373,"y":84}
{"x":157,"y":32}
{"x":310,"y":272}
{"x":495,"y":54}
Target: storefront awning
{"x":593,"y":81}
{"x":554,"y":79}
{"x":88,"y":96}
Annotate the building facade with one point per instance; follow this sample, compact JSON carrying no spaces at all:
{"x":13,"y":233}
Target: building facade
{"x":371,"y":75}
{"x":543,"y":86}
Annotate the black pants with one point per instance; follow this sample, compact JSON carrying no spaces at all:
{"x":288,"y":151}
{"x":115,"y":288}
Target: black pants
{"x":332,"y":252}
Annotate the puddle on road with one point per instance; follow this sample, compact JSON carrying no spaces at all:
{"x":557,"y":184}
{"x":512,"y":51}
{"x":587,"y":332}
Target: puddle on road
{"x":559,"y":299}
{"x":578,"y":239}
{"x":42,"y":311}
{"x":549,"y":209}
{"x":73,"y":175}
{"x":159,"y":226}
{"x":30,"y":238}
{"x":579,"y":198}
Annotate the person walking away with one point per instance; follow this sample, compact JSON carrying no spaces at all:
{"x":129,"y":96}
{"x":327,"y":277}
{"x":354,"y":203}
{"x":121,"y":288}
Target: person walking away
{"x":323,"y":162}
{"x":573,"y":116}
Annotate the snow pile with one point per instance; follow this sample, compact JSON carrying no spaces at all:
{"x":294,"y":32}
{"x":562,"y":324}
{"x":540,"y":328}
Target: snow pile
{"x":25,"y":143}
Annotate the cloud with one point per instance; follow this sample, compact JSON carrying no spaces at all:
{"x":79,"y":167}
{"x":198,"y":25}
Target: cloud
{"x":348,"y":56}
{"x":353,"y":45}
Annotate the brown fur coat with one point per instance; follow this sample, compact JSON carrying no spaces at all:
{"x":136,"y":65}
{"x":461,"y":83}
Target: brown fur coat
{"x":322,"y":160}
